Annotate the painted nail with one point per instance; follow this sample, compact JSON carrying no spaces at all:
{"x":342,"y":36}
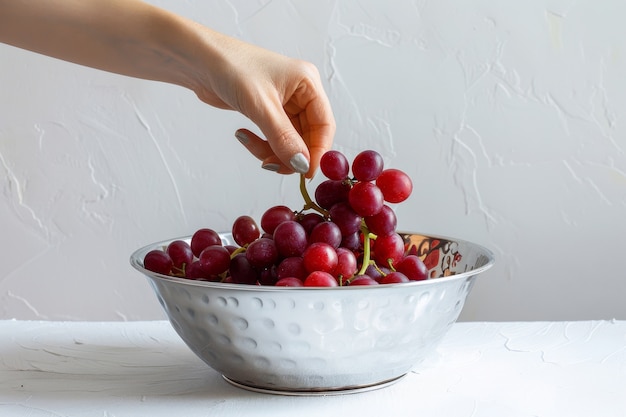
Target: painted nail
{"x":299,"y":163}
{"x":271,"y":167}
{"x":242,"y":138}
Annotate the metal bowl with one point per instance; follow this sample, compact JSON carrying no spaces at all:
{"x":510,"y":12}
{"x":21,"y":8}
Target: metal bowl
{"x":307,"y":341}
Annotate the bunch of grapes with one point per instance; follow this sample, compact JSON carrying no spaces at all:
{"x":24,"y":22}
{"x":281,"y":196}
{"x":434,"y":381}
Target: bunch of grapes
{"x":346,"y":235}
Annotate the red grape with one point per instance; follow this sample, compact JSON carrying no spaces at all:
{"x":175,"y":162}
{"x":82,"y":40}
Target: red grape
{"x":292,"y":267}
{"x":320,"y":256}
{"x":388,"y":249}
{"x":290,"y":238}
{"x":193,"y":271}
{"x":346,"y":218}
{"x":275,"y":216}
{"x":267,"y":276}
{"x":289,"y":282}
{"x":352,"y":241}
{"x":382,"y":223}
{"x":334,"y":165}
{"x":245,"y":230}
{"x":367,"y":165}
{"x":262,"y":253}
{"x":158,"y":261}
{"x":394,"y":278}
{"x":331,"y":192}
{"x":363,"y":280}
{"x":180,"y":253}
{"x":320,"y":279}
{"x":214,"y":259}
{"x":366,"y":198}
{"x":346,"y":264}
{"x":309,"y":221}
{"x":376,"y":273}
{"x":242,"y":271}
{"x":413,"y":267}
{"x":327,"y":232}
{"x":204,"y":238}
{"x":395,"y":185}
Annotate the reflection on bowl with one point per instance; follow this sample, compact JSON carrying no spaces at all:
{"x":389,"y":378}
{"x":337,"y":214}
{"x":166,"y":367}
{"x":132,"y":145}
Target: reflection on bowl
{"x":307,"y":341}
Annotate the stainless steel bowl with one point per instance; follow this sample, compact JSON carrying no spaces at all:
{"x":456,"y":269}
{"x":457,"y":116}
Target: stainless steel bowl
{"x":307,"y":341}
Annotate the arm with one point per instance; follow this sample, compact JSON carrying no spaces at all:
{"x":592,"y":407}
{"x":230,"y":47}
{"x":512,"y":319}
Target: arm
{"x":284,"y":97}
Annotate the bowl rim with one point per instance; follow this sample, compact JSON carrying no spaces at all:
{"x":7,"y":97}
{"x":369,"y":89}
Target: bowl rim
{"x":137,"y":263}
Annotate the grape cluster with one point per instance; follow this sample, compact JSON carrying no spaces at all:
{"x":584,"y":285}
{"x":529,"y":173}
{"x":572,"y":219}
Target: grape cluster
{"x":346,"y":235}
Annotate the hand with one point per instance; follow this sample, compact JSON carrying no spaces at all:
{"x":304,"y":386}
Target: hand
{"x":284,"y":97}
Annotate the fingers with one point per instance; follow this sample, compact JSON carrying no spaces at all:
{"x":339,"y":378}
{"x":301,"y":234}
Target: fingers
{"x":294,"y":114}
{"x":298,"y":132}
{"x":262,"y":150}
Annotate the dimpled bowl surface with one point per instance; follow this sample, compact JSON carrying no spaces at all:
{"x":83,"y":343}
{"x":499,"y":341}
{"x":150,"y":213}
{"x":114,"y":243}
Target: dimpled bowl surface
{"x":312,"y":340}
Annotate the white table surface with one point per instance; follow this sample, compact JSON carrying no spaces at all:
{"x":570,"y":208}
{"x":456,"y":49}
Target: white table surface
{"x":116,"y":369}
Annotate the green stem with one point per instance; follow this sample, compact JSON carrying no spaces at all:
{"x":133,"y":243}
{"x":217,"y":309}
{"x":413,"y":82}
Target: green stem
{"x":308,"y":202}
{"x":238,"y":251}
{"x":367,"y":251}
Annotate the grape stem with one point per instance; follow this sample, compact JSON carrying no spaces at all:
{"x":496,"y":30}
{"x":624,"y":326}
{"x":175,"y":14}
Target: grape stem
{"x":367,"y":249}
{"x":308,"y":202}
{"x":238,"y":251}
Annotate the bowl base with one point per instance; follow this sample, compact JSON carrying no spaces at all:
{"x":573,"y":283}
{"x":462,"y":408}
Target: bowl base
{"x":315,"y":391}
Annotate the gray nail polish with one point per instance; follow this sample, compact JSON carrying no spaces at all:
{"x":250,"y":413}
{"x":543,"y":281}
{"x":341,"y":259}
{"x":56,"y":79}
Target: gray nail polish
{"x":271,"y":167}
{"x":242,"y":138}
{"x":299,"y":163}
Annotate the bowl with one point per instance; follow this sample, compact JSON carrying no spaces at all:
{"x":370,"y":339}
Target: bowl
{"x":321,"y":341}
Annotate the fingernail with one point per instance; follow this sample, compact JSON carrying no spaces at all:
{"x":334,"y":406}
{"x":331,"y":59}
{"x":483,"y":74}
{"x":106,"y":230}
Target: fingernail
{"x":242,"y":138}
{"x":271,"y":167}
{"x":299,"y":163}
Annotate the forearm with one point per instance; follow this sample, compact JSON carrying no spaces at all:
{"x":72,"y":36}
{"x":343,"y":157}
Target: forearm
{"x":128,"y":37}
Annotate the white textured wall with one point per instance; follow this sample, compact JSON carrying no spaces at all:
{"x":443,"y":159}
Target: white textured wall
{"x":509,"y":116}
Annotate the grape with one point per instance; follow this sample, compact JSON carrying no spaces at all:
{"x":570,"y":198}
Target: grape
{"x":262,"y":253}
{"x":413,"y":267}
{"x":320,"y":256}
{"x":366,"y":198}
{"x":367,"y":165}
{"x":346,"y":264}
{"x":352,"y":241}
{"x":245,"y":230}
{"x":346,"y":218}
{"x":309,"y":221}
{"x":289,"y":282}
{"x":363,"y":280}
{"x":267,"y":276}
{"x":331,"y":192}
{"x":388,"y":249}
{"x":395,"y":185}
{"x":334,"y":165}
{"x":383,"y":223}
{"x":394,"y":278}
{"x":327,"y":232}
{"x":292,"y":267}
{"x":320,"y":279}
{"x":376,"y":274}
{"x":181,"y":254}
{"x":290,"y":238}
{"x":242,"y":271}
{"x":275,"y":216}
{"x":204,"y":238}
{"x":158,"y":261}
{"x":193,"y":271}
{"x":214,"y":259}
